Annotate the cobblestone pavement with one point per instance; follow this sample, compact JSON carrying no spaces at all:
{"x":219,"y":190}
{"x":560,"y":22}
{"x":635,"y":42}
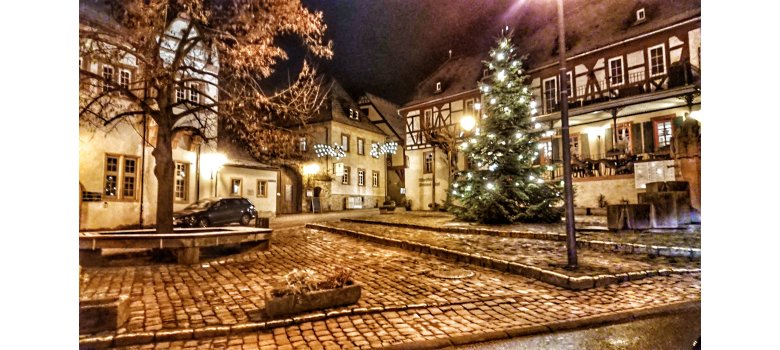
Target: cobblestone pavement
{"x":677,"y":238}
{"x":548,"y":255}
{"x":400,"y":301}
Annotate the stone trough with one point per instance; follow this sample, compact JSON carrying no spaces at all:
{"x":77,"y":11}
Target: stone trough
{"x":185,"y":243}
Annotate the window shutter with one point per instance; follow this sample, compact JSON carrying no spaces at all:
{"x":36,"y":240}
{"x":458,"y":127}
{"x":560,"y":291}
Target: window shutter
{"x":647,"y":131}
{"x":636,"y":138}
{"x":584,"y":147}
{"x":556,"y":149}
{"x":607,"y":140}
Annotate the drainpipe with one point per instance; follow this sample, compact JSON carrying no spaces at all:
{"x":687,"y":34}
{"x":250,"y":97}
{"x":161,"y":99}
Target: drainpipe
{"x":197,"y":174}
{"x":143,"y":166}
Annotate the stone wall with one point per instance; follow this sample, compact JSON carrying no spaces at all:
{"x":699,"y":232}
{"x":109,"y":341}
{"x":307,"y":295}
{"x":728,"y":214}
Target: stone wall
{"x":614,"y":188}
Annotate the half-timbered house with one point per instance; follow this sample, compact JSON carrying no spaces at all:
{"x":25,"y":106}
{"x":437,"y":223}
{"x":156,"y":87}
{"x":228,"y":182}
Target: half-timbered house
{"x":634,"y":71}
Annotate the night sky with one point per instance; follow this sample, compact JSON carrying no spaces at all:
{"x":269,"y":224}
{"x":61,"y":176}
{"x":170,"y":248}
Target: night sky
{"x":386,"y":47}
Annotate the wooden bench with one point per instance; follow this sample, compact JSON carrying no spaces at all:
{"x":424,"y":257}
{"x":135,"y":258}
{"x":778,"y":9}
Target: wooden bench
{"x":184,"y":242}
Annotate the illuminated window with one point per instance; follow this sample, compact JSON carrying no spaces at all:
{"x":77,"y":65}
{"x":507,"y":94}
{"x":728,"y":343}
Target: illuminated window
{"x":181,"y":181}
{"x":120,"y":173}
{"x":663,"y":132}
{"x":302,"y":144}
{"x":640,"y":15}
{"x":657,"y":60}
{"x":574,"y":146}
{"x":616,"y":71}
{"x":235,"y":187}
{"x":180,"y":94}
{"x":375,"y":178}
{"x":623,"y":135}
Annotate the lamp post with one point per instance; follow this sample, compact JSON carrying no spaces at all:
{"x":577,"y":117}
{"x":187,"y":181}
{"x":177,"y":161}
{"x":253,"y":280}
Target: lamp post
{"x":571,"y":241}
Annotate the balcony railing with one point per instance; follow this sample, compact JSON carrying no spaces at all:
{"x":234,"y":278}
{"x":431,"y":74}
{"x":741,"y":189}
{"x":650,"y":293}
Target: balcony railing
{"x":612,"y":164}
{"x":631,"y":84}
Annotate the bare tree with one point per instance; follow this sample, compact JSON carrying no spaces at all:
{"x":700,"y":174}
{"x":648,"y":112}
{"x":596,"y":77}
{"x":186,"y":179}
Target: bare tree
{"x":224,"y":47}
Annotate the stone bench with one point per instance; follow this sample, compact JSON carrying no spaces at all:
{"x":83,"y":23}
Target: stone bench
{"x":184,"y":242}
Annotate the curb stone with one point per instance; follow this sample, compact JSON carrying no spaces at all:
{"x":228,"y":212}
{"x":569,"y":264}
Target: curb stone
{"x":547,"y":276}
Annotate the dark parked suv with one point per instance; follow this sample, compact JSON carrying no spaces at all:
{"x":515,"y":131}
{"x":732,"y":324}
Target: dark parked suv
{"x":216,"y":211}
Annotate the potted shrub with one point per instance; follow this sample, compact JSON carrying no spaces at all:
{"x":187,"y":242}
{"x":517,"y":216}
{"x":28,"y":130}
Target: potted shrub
{"x":304,"y":291}
{"x":387,"y":206}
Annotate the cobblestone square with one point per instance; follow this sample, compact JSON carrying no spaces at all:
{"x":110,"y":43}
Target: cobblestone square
{"x":214,"y":304}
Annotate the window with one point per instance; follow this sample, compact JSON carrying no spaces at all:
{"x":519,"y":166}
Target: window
{"x":570,"y":81}
{"x":640,"y":15}
{"x":361,"y":146}
{"x":364,"y":111}
{"x":195,"y":93}
{"x":181,"y":182}
{"x":262,"y":188}
{"x":545,"y":149}
{"x":108,"y":77}
{"x":124,"y":79}
{"x":470,"y":108}
{"x":428,"y":162}
{"x":374,"y":178}
{"x":345,"y":142}
{"x":235,"y":187}
{"x":551,"y":95}
{"x":438,"y":86}
{"x":623,"y":135}
{"x":662,"y":129}
{"x":574,"y":146}
{"x":616,"y":71}
{"x":120,"y":173}
{"x":180,"y":94}
{"x":302,"y":144}
{"x":428,"y":119}
{"x":345,"y":177}
{"x":361,"y":173}
{"x":657,"y":60}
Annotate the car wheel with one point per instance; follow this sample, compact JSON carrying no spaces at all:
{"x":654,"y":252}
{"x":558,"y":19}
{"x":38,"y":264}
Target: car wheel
{"x":203,"y":222}
{"x":245,"y":219}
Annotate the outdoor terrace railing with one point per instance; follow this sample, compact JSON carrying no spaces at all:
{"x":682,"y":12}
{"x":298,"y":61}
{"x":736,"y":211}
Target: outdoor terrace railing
{"x":629,"y":84}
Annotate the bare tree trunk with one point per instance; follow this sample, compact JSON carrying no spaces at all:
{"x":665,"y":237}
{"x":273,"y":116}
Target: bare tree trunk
{"x":163,"y":171}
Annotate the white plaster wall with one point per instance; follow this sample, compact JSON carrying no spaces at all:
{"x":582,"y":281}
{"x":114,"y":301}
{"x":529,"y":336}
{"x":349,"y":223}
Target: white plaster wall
{"x":694,"y":42}
{"x":635,"y":58}
{"x":418,"y":184}
{"x":249,"y":178}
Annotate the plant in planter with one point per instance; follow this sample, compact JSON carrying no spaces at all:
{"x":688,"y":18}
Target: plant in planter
{"x":304,"y":291}
{"x":387,"y":206}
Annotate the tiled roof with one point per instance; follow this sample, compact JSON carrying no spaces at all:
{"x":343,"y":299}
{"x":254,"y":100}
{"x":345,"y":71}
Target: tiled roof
{"x":337,"y":107}
{"x":589,"y":25}
{"x":389,"y":112}
{"x":457,"y":74}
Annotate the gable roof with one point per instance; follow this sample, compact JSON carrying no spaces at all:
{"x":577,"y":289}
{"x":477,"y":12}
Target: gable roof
{"x":457,"y":74}
{"x":388,"y":111}
{"x":337,"y":107}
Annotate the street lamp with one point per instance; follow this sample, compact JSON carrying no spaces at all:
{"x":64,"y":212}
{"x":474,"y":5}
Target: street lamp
{"x":212,"y":162}
{"x":571,"y":240}
{"x":467,"y":123}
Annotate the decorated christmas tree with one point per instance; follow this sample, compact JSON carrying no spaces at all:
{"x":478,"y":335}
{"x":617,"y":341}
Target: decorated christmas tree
{"x":503,"y":185}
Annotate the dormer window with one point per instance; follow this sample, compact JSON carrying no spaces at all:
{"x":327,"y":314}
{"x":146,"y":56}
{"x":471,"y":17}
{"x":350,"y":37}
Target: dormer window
{"x":438,"y":86}
{"x":640,"y":15}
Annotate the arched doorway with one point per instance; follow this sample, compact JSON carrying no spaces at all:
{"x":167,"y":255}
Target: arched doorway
{"x":290,"y":189}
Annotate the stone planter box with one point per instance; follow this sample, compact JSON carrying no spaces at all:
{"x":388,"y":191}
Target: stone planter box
{"x":629,"y":216}
{"x":105,"y":314}
{"x":322,"y":299}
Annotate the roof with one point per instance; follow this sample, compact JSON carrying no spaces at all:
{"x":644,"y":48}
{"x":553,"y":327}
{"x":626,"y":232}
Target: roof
{"x":457,"y":74}
{"x":388,"y":111}
{"x":589,"y":25}
{"x":592,"y":24}
{"x":336,"y":109}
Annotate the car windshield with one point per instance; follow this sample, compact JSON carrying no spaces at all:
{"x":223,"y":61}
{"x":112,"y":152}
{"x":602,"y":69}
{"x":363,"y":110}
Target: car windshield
{"x":204,"y":204}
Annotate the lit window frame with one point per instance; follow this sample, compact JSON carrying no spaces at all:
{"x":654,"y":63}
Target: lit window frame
{"x":361,"y":177}
{"x":361,"y":146}
{"x":374,"y":178}
{"x":653,"y":64}
{"x":345,"y":178}
{"x":616,"y":78}
{"x":262,"y":189}
{"x":428,"y":162}
{"x":240,"y":186}
{"x":121,"y":176}
{"x":181,"y":182}
{"x":547,"y":96}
